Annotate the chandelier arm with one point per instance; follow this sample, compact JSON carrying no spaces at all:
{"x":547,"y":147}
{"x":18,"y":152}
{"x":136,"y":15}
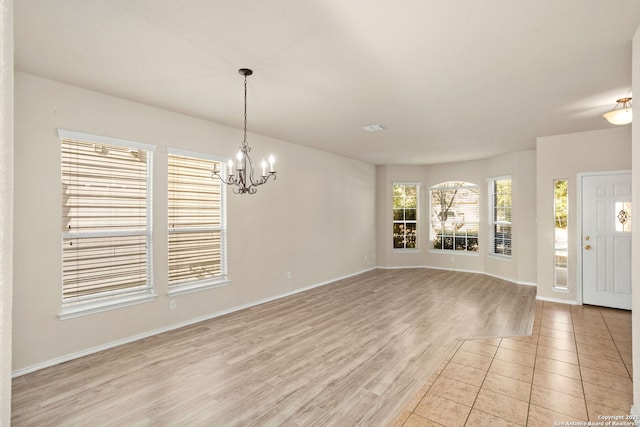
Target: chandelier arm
{"x":229,"y":181}
{"x":254,"y":182}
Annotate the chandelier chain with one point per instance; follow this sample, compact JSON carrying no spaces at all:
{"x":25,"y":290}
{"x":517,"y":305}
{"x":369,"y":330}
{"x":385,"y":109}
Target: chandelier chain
{"x":244,"y":141}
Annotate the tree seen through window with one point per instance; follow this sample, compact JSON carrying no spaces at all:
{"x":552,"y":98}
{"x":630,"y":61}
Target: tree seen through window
{"x":454,"y":216}
{"x":405,"y":216}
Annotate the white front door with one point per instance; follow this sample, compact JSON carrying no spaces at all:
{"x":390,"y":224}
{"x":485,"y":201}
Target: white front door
{"x":606,"y":240}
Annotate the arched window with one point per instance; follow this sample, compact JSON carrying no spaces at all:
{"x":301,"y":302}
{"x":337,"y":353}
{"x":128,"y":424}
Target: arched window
{"x":455,"y":215}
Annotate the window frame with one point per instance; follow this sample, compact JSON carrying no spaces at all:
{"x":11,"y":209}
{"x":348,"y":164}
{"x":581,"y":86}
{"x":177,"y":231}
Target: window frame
{"x":493,"y":222}
{"x":103,"y":301}
{"x":211,"y":282}
{"x":432,"y":233}
{"x":405,"y":221}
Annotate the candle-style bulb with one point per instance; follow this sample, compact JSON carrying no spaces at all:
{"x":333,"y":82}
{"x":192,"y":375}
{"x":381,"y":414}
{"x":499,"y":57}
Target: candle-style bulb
{"x":272,"y":161}
{"x":264,"y":167}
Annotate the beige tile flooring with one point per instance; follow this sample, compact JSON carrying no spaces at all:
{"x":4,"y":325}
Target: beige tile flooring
{"x":575,"y":366}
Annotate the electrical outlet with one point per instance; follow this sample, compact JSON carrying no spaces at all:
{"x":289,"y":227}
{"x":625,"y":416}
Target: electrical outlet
{"x":172,"y":304}
{"x":288,"y":275}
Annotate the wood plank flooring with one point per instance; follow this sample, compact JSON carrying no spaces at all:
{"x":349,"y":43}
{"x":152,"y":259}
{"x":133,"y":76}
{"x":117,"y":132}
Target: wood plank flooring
{"x":349,"y":353}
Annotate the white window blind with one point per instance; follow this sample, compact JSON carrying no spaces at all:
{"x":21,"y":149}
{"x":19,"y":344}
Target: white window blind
{"x":500,"y":216}
{"x":196,"y":220}
{"x":455,"y":216}
{"x":105,"y":219}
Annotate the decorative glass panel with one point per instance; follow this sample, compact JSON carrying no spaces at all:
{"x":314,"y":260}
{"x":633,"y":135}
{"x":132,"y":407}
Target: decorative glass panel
{"x":623,"y":215}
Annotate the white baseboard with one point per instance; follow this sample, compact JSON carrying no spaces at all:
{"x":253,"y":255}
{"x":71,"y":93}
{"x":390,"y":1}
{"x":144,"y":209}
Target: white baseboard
{"x":86,"y":352}
{"x":635,"y":414}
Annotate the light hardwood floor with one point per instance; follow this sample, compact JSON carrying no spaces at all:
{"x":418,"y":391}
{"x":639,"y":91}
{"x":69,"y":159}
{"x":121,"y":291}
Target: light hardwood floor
{"x":353,"y":352}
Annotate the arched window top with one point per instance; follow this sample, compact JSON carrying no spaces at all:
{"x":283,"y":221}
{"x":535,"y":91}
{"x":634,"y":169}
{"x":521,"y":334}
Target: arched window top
{"x":453,"y":185}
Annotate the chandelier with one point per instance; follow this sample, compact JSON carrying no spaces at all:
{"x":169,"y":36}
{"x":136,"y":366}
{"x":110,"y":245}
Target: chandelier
{"x":244,"y":180}
{"x":621,"y":116}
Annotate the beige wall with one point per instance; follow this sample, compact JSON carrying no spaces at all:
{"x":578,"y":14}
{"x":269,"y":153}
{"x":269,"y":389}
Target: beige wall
{"x":564,"y":156}
{"x":317,"y":221}
{"x":6,"y":205}
{"x":635,"y":250}
{"x":520,"y":165}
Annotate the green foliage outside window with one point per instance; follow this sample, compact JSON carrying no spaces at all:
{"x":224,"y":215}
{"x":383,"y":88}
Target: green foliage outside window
{"x":405,"y":216}
{"x":561,"y":204}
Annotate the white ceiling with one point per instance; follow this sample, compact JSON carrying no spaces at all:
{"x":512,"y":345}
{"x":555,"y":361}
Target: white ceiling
{"x":449,"y":80}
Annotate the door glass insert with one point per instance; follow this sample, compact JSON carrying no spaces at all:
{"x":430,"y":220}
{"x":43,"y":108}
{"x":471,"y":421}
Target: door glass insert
{"x":623,"y":215}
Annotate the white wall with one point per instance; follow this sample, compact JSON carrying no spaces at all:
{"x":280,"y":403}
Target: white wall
{"x":519,"y":165}
{"x":564,"y":156}
{"x":6,"y":205}
{"x":317,"y":221}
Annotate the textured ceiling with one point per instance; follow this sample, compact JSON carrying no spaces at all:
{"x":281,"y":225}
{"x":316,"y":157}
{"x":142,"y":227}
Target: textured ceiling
{"x":448,"y":80}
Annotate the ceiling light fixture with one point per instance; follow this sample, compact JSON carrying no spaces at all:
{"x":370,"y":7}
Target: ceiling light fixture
{"x":373,"y":128}
{"x":244,"y":180}
{"x":620,"y":116}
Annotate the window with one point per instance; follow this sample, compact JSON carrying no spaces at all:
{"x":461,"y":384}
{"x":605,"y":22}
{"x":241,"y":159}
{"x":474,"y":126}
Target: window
{"x":196,"y":222}
{"x":405,"y":216}
{"x":454,"y":216}
{"x":500,"y":216}
{"x":106,"y":251}
{"x":560,"y":240}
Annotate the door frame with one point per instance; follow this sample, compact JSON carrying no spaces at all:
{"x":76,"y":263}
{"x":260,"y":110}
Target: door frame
{"x":579,"y":229}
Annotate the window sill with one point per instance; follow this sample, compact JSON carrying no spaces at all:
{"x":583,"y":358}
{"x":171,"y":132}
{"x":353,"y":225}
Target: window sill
{"x":501,"y":257}
{"x":405,"y":251}
{"x":72,"y":311}
{"x":452,"y":252}
{"x":188,"y":288}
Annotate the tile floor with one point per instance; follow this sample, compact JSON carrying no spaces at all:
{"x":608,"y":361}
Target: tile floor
{"x":575,"y":366}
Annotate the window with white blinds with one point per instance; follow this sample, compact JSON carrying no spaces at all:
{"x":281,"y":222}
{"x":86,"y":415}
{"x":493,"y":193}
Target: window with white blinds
{"x":196,"y":222}
{"x":500,"y":216}
{"x":106,"y":251}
